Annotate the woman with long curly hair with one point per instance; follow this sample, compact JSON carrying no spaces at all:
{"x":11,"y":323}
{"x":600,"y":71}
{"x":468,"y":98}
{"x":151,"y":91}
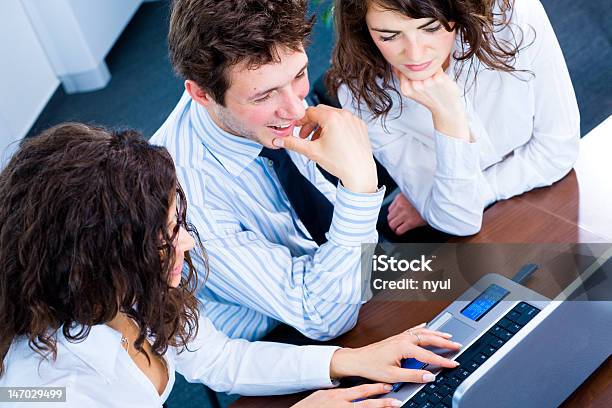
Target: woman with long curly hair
{"x":97,"y":289}
{"x":467,"y":102}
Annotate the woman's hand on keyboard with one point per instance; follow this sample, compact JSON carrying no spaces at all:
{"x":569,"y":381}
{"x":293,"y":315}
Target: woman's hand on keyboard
{"x":344,"y":397}
{"x":382,"y":361}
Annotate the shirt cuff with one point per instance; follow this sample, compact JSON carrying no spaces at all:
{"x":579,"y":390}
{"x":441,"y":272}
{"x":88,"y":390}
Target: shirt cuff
{"x":489,"y":190}
{"x":315,"y":367}
{"x":355,"y":217}
{"x":456,"y":158}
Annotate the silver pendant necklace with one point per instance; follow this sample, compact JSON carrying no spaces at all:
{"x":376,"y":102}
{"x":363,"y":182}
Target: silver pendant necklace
{"x":124,"y":342}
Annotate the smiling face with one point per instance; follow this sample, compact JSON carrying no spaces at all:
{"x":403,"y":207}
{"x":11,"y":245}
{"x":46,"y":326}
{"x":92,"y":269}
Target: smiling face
{"x":261,"y":104}
{"x":417,"y":47}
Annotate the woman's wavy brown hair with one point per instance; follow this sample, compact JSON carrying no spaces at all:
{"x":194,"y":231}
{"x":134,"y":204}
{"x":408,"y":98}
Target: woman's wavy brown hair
{"x":84,"y":235}
{"x":358,"y":63}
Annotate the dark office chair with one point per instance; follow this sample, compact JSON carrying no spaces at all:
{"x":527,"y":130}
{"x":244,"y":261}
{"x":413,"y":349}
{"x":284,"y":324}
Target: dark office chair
{"x":212,"y":397}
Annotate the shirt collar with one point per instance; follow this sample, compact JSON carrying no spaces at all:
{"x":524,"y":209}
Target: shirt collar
{"x":233,"y":152}
{"x":99,"y":350}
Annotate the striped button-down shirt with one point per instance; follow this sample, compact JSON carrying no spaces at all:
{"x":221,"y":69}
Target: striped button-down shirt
{"x":264,"y":266}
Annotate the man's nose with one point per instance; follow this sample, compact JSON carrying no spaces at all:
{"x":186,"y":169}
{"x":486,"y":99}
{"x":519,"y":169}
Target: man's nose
{"x":292,"y":107}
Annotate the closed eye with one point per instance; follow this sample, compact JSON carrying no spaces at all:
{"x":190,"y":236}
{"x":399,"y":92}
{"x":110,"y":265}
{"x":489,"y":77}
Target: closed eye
{"x":264,"y":98}
{"x":389,"y":38}
{"x":433,"y":29}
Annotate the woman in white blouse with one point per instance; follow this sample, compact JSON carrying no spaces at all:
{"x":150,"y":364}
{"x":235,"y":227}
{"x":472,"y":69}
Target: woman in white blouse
{"x":467,"y":102}
{"x":97,"y":289}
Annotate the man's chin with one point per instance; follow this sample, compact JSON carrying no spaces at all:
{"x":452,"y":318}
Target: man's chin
{"x":266,"y":140}
{"x":269,"y":135}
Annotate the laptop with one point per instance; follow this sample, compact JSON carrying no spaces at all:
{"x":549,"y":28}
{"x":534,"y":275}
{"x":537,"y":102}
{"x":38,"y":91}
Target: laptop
{"x":521,"y":349}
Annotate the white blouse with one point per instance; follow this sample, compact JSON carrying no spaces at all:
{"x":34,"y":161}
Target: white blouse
{"x":98,"y":372}
{"x":526,"y":129}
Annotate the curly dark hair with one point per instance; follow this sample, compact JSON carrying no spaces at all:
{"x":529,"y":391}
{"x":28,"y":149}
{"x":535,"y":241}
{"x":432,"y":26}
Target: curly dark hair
{"x":84,"y":235}
{"x":358,"y":63}
{"x":208,"y":37}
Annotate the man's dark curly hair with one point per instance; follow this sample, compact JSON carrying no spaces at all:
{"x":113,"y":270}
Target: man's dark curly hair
{"x":84,"y":235}
{"x":208,"y":37}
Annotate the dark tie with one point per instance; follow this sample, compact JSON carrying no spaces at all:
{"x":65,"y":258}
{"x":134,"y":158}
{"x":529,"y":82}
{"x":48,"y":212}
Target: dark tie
{"x":313,"y":208}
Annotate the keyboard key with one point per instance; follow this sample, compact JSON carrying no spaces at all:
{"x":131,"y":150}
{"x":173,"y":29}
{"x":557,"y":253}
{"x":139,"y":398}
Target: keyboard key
{"x":435,"y":398}
{"x":440,"y":379}
{"x":463,"y":374}
{"x":411,"y":404}
{"x":522,"y":307}
{"x":445,"y":390}
{"x":502,"y":333}
{"x":514,"y":316}
{"x":505,"y":323}
{"x":528,"y":310}
{"x":421,"y":397}
{"x":453,"y":383}
{"x":452,"y":374}
{"x":481,"y":358}
{"x":427,"y":405}
{"x":525,"y":318}
{"x":472,"y":366}
{"x":430,"y":388}
{"x":448,"y":401}
{"x":497,"y":342}
{"x":487,"y":338}
{"x":489,"y":350}
{"x":463,"y":360}
{"x":513,"y":328}
{"x":441,"y":405}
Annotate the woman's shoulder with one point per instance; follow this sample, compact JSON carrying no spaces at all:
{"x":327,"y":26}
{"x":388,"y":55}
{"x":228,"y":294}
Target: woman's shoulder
{"x":526,"y":13}
{"x":25,"y":363}
{"x":528,"y":27}
{"x":79,"y":383}
{"x":24,"y":366}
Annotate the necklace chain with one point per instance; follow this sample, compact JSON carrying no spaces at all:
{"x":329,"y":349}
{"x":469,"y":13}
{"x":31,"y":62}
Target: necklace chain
{"x":125,"y":343}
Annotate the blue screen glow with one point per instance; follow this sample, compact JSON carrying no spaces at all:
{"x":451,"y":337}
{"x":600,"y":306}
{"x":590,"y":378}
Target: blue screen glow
{"x":484,"y":302}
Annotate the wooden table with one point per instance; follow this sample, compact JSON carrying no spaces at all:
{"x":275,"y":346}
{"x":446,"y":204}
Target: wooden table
{"x":577,"y":209}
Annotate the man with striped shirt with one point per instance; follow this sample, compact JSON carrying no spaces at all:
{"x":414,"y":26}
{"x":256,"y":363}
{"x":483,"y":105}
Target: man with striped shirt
{"x":240,"y":162}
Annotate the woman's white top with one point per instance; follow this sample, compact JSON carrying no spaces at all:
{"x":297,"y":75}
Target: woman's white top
{"x":98,"y":372}
{"x":526,"y":129}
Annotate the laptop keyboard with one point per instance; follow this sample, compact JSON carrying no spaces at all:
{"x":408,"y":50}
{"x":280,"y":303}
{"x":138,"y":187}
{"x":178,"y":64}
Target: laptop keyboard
{"x":439,"y":393}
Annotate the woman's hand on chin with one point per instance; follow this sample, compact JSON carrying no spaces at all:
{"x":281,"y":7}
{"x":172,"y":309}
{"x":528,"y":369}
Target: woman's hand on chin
{"x":441,"y":95}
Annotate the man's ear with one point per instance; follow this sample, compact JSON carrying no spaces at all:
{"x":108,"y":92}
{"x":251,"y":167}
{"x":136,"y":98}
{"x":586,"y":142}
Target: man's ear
{"x":198,"y":94}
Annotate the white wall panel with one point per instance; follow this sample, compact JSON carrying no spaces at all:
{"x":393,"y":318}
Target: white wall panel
{"x":27,"y":79}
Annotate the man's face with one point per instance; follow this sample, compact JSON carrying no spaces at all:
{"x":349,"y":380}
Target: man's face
{"x":263,"y":104}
